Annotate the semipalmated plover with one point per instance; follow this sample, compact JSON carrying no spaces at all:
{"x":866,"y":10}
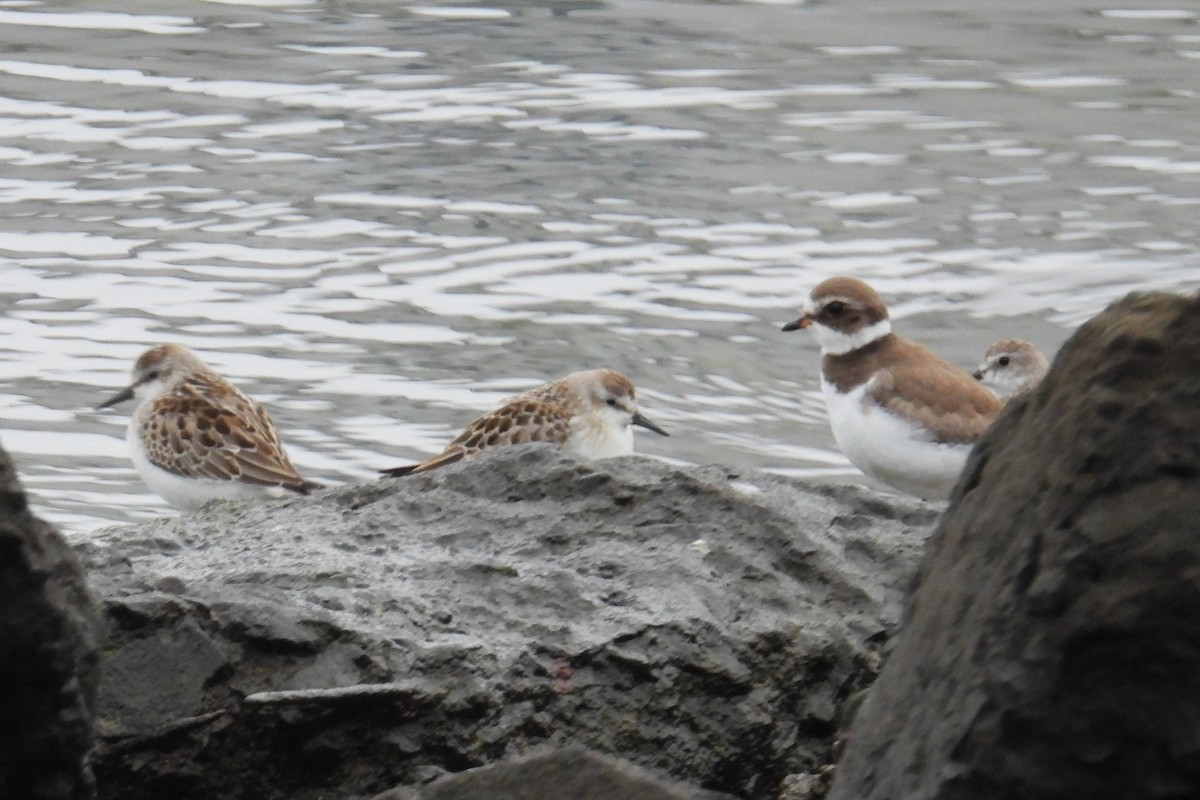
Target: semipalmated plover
{"x":590,"y":413}
{"x":195,"y":437}
{"x":1011,"y":367}
{"x":900,"y":413}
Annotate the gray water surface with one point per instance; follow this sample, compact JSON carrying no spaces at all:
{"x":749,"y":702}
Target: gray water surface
{"x":380,"y":218}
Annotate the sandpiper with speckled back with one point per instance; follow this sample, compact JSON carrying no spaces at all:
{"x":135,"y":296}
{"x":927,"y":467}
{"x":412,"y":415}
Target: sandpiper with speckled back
{"x":901,"y":414}
{"x":590,"y":413}
{"x":195,"y":437}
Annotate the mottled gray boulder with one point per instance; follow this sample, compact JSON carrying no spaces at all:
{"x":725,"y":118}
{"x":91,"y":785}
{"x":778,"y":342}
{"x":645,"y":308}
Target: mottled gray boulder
{"x":690,"y":620}
{"x":1052,"y":649}
{"x":47,"y":656}
{"x":572,"y":772}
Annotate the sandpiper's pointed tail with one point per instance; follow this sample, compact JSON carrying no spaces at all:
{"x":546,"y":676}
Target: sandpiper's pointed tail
{"x":397,"y":472}
{"x":449,"y":456}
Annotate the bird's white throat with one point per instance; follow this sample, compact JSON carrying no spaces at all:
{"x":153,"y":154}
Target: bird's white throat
{"x":145,"y":392}
{"x":836,"y":343}
{"x":603,"y":433}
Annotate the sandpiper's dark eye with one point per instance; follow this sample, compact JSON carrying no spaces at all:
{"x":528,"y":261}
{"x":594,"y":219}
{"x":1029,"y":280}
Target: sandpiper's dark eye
{"x":152,"y":375}
{"x":612,"y":401}
{"x":1003,"y":361}
{"x":836,"y":308}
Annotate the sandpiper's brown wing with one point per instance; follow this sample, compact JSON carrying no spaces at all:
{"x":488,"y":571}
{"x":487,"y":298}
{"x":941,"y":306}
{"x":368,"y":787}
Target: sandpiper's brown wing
{"x":525,"y":419}
{"x":206,"y":428}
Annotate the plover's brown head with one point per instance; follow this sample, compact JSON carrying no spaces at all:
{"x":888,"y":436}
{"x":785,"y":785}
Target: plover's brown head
{"x":844,"y":314}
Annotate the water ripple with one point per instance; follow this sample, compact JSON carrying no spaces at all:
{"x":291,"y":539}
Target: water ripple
{"x":380,"y":221}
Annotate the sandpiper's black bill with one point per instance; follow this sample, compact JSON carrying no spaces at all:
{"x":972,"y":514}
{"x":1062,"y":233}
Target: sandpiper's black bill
{"x":799,"y":324}
{"x":978,"y":375}
{"x":638,"y":419}
{"x":119,"y":397}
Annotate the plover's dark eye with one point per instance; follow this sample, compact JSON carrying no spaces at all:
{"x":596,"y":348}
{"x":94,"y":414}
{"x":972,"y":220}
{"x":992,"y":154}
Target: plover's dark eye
{"x":1003,"y":361}
{"x":836,"y":308}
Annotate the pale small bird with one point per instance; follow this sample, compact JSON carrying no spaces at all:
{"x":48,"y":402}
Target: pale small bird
{"x":590,"y":413}
{"x":195,"y":437}
{"x":1011,"y":367}
{"x":901,"y":414}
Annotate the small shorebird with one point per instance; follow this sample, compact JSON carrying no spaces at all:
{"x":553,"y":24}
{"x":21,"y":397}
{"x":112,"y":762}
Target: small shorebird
{"x":589,"y":413}
{"x":1011,"y":367}
{"x":901,"y":414}
{"x":194,"y":436}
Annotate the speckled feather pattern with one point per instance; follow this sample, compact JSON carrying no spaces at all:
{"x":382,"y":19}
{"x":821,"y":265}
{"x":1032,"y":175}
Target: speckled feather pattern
{"x":195,"y":437}
{"x":554,"y":412}
{"x":205,"y":427}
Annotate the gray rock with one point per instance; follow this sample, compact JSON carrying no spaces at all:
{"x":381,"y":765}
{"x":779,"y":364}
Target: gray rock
{"x":573,"y":772}
{"x":1052,"y":649}
{"x":690,"y":620}
{"x":47,"y":656}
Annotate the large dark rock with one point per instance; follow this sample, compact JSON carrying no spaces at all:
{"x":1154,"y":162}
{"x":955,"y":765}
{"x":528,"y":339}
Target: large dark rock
{"x":1052,"y":649}
{"x":47,"y":656}
{"x":704,"y":624}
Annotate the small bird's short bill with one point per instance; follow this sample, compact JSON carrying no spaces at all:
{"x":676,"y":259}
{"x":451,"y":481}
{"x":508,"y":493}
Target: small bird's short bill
{"x":799,"y":324}
{"x":640,"y":419}
{"x":118,"y":398}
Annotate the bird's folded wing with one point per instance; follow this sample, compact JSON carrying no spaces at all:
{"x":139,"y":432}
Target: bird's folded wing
{"x":524,"y":420}
{"x":945,"y":401}
{"x":194,"y":438}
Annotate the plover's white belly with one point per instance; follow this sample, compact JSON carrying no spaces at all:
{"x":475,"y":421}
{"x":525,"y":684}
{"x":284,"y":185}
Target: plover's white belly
{"x":188,"y":494}
{"x":891,"y":449}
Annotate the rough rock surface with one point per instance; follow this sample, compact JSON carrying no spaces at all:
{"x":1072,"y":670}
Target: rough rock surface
{"x":700,"y":623}
{"x":572,"y":772}
{"x":1052,"y":648}
{"x":47,"y":656}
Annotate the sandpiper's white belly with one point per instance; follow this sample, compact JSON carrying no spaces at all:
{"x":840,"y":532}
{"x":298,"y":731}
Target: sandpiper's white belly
{"x":188,"y":494}
{"x":891,"y":449}
{"x":600,"y":437}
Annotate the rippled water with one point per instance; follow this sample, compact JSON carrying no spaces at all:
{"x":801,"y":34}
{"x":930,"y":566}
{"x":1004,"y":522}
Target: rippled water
{"x":380,"y":218}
